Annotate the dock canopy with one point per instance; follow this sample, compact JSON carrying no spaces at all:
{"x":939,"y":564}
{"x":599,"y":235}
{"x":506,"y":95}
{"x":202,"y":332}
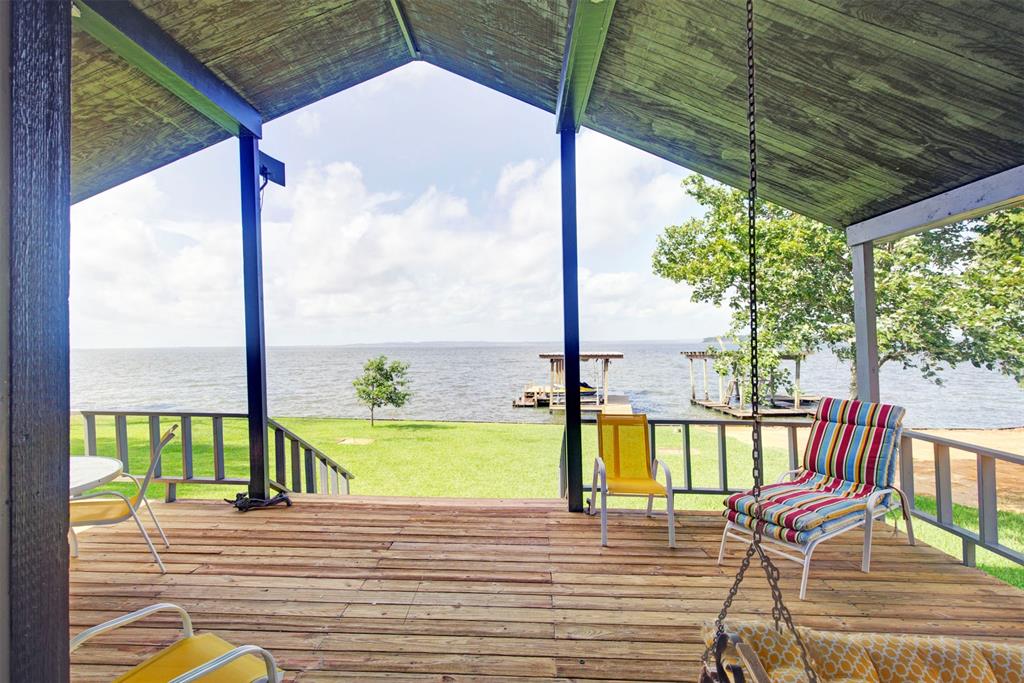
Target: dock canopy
{"x":863,"y":107}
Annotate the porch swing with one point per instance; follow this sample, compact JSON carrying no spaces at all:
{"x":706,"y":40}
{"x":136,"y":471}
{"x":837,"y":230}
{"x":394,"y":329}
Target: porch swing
{"x":760,"y":651}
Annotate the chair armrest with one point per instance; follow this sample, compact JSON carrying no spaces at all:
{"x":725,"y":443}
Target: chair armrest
{"x":791,"y":474}
{"x":875,"y":496}
{"x":668,"y":475}
{"x":117,"y":622}
{"x":228,"y":657}
{"x":599,"y":469}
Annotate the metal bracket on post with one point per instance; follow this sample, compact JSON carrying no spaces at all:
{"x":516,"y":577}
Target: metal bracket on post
{"x":271,"y":169}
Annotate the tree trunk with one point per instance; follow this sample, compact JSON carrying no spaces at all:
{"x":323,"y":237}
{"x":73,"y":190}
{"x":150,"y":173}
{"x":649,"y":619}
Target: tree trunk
{"x":371,"y":416}
{"x":853,"y":379}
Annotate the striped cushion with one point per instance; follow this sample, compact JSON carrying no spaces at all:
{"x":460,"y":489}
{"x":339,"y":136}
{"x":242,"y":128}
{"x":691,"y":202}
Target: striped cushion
{"x":808,"y":502}
{"x":792,"y":535}
{"x":855,"y":441}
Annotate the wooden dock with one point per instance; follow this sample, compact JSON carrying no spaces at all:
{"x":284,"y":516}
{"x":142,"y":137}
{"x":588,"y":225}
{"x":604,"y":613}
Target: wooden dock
{"x":416,"y":590}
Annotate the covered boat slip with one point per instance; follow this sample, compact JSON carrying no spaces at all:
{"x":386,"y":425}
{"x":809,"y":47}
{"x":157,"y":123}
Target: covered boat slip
{"x":459,"y":589}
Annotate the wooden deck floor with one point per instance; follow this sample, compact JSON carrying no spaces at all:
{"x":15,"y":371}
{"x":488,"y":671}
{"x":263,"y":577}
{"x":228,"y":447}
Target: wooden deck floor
{"x":440,"y":590}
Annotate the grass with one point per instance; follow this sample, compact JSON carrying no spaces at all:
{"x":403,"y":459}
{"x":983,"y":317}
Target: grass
{"x":493,"y":460}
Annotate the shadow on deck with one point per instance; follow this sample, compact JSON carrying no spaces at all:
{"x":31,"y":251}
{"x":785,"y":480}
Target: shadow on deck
{"x":452,"y":590}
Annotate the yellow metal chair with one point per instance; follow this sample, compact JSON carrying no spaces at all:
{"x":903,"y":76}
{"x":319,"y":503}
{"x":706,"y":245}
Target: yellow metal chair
{"x":624,"y":467}
{"x":205,"y":657}
{"x":112,"y":507}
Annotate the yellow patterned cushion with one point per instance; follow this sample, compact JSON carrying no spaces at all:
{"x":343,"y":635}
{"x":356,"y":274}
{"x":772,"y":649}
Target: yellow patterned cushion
{"x":879,"y":658}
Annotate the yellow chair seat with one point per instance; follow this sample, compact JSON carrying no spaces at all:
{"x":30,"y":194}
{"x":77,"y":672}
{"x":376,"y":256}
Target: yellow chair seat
{"x":100,"y":510}
{"x":187,"y":654}
{"x":633,"y":487}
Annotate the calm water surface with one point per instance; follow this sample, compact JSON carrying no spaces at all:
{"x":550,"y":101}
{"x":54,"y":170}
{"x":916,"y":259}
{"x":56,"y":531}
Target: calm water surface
{"x":479,"y":381}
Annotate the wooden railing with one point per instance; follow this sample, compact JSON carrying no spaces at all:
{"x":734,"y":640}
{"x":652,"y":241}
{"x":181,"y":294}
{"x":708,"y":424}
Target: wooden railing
{"x":987,"y":535}
{"x":311,"y":470}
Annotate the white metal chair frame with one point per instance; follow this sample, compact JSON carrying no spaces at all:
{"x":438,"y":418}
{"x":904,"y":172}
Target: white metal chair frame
{"x":142,"y":483}
{"x":601,"y":476}
{"x":197,"y":673}
{"x":871,"y":513}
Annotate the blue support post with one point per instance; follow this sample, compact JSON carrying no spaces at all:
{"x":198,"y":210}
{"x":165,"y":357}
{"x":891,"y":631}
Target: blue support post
{"x":571,"y":323}
{"x":255,"y":345}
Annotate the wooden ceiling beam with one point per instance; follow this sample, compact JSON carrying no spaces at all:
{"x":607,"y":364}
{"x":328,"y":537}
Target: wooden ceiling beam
{"x":403,"y":26}
{"x":139,"y":41}
{"x":981,"y":197}
{"x":584,"y":40}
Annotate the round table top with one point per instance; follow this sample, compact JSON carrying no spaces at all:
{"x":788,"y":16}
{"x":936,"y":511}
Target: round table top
{"x":90,"y":471}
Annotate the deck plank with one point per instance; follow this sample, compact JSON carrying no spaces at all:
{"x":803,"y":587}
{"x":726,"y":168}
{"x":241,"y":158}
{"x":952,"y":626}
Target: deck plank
{"x":449,"y":589}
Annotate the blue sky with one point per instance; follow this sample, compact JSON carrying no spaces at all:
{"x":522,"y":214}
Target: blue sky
{"x":419,"y":207}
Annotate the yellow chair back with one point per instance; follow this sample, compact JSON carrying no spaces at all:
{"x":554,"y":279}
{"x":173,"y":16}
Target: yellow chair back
{"x":623,"y":442}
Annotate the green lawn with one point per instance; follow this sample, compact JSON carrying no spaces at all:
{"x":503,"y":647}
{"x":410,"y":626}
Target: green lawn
{"x":490,"y":460}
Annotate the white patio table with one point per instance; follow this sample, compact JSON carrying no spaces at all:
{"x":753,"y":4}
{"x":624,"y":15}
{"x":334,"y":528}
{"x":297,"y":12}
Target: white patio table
{"x":90,"y":471}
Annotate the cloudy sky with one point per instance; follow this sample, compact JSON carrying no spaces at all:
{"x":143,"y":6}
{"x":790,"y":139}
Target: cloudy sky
{"x":419,"y":207}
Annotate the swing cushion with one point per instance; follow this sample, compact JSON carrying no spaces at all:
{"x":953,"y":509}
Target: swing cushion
{"x":878,"y":658}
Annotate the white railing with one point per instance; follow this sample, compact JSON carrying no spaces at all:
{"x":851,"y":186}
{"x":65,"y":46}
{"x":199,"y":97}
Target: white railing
{"x":986,"y":537}
{"x":985,"y":458}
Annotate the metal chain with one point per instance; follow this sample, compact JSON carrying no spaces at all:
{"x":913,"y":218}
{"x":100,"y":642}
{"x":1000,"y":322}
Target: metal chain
{"x":780,"y":613}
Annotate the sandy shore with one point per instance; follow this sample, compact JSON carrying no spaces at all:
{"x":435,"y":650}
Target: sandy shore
{"x":1009,"y":476}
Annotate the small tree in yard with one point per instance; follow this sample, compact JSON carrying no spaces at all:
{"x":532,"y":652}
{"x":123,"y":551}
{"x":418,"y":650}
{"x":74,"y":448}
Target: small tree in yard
{"x":382,"y":384}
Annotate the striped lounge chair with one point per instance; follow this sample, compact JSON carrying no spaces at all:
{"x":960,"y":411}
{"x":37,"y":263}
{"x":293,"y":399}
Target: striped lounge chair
{"x":845,"y":482}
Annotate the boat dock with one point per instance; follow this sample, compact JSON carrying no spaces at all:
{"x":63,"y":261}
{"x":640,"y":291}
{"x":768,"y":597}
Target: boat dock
{"x":593,"y":399}
{"x":797,"y":405}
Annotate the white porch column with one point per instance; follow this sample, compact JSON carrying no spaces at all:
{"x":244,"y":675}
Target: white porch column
{"x":864,"y":313}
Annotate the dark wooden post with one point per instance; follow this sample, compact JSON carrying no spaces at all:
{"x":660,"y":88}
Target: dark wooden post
{"x":571,"y":324}
{"x":255,"y":345}
{"x":35,"y":200}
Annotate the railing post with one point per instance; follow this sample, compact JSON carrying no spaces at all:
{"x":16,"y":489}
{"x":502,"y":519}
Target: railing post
{"x":121,"y":440}
{"x":218,"y":448}
{"x":324,"y":483}
{"x":943,"y":485}
{"x":90,"y":433}
{"x":723,"y":456}
{"x":687,"y":465}
{"x":310,"y":472}
{"x":154,"y":442}
{"x":186,"y":447}
{"x":280,"y":465}
{"x":988,"y":502}
{"x":969,"y":552}
{"x":794,"y":454}
{"x":296,"y":467}
{"x":653,"y":429}
{"x":335,"y":487}
{"x":907,"y":469}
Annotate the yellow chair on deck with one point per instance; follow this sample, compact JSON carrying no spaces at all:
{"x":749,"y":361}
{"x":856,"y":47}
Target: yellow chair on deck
{"x":624,"y":467}
{"x":102,"y":508}
{"x":205,"y":657}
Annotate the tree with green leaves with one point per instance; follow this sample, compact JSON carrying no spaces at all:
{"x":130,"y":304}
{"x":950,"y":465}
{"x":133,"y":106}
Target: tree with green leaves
{"x":947,"y":296}
{"x":382,"y":384}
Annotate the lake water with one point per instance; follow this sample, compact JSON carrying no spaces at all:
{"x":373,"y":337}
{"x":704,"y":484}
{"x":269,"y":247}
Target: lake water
{"x":478,"y":382}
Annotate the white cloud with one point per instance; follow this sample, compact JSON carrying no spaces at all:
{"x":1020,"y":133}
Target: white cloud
{"x":307,"y":121}
{"x":345,"y":263}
